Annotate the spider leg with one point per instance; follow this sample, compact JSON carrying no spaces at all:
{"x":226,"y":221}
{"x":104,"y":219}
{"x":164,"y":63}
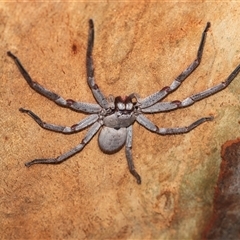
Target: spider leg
{"x":100,"y":98}
{"x":89,"y":120}
{"x":128,"y":151}
{"x":199,"y":96}
{"x":152,"y":99}
{"x":167,"y":106}
{"x":160,"y":107}
{"x":141,"y":119}
{"x":92,"y":131}
{"x":69,"y":103}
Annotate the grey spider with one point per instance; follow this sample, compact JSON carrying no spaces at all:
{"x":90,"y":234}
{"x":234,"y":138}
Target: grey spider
{"x":115,"y":116}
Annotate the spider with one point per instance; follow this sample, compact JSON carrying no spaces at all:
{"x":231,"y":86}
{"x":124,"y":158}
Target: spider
{"x":115,"y":116}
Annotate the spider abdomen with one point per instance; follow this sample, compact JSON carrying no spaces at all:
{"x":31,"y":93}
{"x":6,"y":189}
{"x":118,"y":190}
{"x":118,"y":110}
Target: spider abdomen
{"x":111,"y":140}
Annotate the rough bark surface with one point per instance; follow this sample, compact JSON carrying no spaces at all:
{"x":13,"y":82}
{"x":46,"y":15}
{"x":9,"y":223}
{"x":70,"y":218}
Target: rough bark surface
{"x":225,"y":220}
{"x":139,"y":47}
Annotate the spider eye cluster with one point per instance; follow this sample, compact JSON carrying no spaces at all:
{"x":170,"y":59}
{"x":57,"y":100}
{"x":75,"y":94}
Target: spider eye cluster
{"x":123,"y":104}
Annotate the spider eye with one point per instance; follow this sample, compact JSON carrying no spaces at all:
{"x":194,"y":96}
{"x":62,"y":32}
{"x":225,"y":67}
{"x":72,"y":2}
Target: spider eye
{"x":129,"y":106}
{"x":121,"y":106}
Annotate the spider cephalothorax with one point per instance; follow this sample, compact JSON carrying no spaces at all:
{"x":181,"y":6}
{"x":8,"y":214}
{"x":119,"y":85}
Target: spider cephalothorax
{"x":114,"y":117}
{"x":112,"y":136}
{"x":123,"y":114}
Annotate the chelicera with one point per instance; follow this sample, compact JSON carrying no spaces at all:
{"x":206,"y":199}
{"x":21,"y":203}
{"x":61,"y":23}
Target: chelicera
{"x":114,"y":117}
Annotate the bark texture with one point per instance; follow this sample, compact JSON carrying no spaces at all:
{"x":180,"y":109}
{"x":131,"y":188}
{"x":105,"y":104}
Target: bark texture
{"x":139,"y":47}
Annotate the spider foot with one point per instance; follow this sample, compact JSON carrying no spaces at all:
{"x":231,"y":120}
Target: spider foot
{"x":29,"y":164}
{"x":195,"y":124}
{"x":136,"y":175}
{"x":207,"y":26}
{"x":23,"y":110}
{"x":11,"y":55}
{"x":210,"y":118}
{"x":33,"y":115}
{"x":41,"y":161}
